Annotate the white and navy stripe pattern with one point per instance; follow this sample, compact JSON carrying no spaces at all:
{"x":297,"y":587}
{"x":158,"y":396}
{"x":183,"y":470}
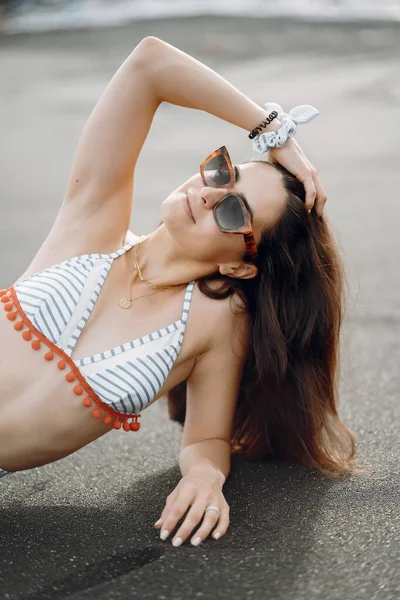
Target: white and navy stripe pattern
{"x":59,"y":301}
{"x":155,"y":335}
{"x":128,"y":386}
{"x":124,"y":347}
{"x":49,"y":297}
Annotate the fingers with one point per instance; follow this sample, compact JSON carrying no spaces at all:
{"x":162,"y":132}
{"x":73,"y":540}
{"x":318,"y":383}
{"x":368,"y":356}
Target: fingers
{"x":292,"y":157}
{"x":321,"y":197}
{"x":209,"y":519}
{"x":212,"y":521}
{"x":193,"y":518}
{"x":315,"y":193}
{"x":168,"y":503}
{"x":311,"y":192}
{"x":176,"y":506}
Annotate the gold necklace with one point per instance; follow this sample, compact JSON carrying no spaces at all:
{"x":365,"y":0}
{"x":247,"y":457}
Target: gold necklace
{"x":127,"y":302}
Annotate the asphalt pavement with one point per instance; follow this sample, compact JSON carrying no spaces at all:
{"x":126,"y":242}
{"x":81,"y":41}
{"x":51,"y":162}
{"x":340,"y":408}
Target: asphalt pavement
{"x":82,"y":528}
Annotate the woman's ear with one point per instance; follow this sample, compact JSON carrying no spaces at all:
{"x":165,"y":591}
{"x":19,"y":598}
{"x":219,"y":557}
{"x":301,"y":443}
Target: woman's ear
{"x":239,"y":270}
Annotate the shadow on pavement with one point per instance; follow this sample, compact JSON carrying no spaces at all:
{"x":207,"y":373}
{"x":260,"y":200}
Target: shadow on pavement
{"x":57,"y":551}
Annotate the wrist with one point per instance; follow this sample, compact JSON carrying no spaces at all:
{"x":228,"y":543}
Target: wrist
{"x":270,"y":122}
{"x":274,"y":126}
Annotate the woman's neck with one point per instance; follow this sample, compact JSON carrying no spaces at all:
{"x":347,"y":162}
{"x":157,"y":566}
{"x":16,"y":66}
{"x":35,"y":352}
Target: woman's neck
{"x":162,"y":262}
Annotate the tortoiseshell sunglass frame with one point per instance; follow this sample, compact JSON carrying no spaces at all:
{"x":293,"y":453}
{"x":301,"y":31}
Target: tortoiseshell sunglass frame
{"x":246,"y":229}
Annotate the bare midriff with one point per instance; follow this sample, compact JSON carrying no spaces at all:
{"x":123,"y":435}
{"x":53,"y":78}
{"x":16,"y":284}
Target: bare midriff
{"x":42,"y":419}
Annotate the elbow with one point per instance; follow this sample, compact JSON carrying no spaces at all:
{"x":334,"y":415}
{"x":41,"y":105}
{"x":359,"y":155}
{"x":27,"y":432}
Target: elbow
{"x":147,"y":50}
{"x":148,"y":43}
{"x":148,"y":59}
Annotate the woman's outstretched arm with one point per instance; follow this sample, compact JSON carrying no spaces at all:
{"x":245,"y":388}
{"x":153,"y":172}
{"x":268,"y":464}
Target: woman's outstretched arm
{"x":205,"y":458}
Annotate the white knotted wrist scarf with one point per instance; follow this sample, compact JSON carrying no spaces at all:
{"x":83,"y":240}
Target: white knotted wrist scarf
{"x":299,"y":115}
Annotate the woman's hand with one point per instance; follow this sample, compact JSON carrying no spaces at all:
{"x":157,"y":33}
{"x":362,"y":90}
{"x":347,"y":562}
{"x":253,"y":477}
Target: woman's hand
{"x":292,"y":157}
{"x":197,"y":489}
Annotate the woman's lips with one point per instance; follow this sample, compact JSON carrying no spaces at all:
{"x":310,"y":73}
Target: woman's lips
{"x":189,"y":208}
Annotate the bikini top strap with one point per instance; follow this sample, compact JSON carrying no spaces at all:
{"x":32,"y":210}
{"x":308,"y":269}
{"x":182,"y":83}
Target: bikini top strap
{"x":186,"y":301}
{"x":130,"y":240}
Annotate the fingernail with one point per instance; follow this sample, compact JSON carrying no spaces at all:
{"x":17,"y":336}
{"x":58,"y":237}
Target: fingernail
{"x":164,"y":534}
{"x":196,"y":541}
{"x":217,"y":535}
{"x":177,"y":541}
{"x":157,"y":522}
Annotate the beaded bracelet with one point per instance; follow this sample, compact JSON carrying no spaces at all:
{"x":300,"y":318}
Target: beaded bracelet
{"x":261,"y":126}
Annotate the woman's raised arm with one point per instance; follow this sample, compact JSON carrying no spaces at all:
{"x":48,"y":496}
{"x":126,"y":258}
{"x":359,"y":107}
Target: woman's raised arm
{"x":101,"y":178}
{"x":180,"y":79}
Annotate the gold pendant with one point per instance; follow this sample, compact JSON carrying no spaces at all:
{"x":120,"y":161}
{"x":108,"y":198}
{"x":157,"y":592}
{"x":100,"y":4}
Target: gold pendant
{"x":125,"y":303}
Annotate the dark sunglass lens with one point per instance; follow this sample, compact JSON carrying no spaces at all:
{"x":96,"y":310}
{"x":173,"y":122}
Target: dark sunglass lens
{"x":216,"y":171}
{"x":229,"y":214}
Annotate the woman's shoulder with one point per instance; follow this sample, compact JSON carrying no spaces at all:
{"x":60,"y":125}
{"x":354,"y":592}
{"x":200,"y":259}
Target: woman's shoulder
{"x":219,"y":317}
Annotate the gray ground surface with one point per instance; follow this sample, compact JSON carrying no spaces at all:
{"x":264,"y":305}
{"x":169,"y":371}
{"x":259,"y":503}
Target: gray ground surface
{"x":83,"y":527}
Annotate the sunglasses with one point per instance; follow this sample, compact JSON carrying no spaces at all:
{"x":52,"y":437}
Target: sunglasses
{"x":230,"y":213}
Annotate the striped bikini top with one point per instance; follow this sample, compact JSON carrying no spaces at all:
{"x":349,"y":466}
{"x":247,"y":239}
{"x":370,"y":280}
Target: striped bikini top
{"x":53,"y":307}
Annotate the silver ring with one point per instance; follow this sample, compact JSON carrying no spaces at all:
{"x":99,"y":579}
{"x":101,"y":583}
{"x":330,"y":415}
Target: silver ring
{"x":213,"y":508}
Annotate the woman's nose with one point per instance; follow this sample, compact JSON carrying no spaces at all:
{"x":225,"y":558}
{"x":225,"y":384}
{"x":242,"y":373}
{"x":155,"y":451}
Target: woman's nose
{"x":210,"y":196}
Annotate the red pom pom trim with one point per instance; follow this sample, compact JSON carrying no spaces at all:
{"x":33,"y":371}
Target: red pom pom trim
{"x":10,"y":300}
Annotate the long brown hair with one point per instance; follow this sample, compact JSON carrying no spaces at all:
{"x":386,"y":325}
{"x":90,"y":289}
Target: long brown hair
{"x":287,"y":404}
